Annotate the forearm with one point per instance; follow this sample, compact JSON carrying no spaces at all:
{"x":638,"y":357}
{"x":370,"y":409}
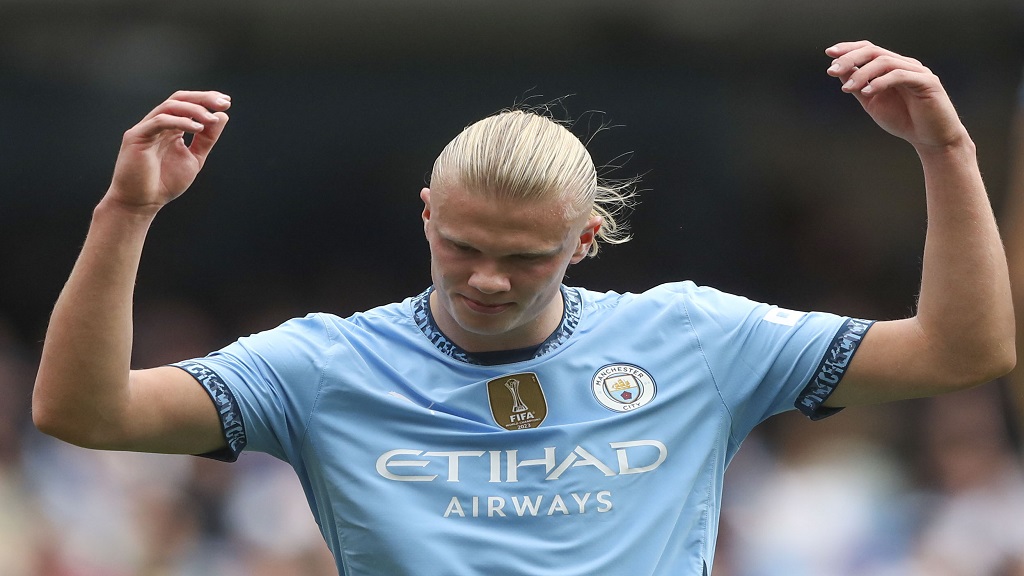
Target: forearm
{"x":82,"y":385}
{"x":965,"y":309}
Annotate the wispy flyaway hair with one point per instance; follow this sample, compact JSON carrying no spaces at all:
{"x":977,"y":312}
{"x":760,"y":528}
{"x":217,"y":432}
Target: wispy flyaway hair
{"x":523,"y":155}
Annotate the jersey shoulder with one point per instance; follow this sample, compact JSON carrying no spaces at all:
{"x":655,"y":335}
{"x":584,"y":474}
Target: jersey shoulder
{"x":684,"y":294}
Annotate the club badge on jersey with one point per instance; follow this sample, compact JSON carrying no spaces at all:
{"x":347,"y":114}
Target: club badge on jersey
{"x":623,"y":387}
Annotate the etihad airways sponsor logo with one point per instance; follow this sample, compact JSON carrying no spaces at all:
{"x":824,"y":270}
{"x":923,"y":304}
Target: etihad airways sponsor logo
{"x":631,"y":457}
{"x":520,"y":506}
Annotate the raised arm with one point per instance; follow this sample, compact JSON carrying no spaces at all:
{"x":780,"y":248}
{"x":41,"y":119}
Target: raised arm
{"x":1014,"y":230}
{"x":963,"y":331}
{"x":85,"y":392}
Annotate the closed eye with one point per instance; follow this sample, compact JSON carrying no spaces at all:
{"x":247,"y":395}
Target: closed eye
{"x":522,"y":257}
{"x":463,"y":247}
{"x":530,"y":257}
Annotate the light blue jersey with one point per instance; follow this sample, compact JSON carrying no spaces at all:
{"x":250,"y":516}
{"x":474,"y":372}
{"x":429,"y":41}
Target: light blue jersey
{"x":604,"y":453}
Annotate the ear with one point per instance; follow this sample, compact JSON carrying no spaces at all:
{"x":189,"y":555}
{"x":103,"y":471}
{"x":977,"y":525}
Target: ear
{"x":587,"y":238}
{"x":425,"y":215}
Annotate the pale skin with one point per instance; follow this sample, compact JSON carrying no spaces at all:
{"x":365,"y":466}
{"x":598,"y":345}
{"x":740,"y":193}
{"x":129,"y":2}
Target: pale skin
{"x":497,"y":266}
{"x":963,"y":332}
{"x":497,"y":269}
{"x":1014,"y":222}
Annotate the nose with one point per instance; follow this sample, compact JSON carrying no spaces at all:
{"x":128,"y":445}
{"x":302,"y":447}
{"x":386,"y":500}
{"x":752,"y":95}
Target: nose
{"x":489,"y":279}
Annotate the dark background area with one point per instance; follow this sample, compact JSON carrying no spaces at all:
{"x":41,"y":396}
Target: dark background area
{"x":760,"y":176}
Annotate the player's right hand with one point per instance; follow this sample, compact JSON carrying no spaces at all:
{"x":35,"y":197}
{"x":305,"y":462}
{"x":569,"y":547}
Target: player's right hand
{"x":155,"y":166}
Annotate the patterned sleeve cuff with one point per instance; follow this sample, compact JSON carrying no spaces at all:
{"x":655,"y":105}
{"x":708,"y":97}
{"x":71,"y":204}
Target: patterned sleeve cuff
{"x":227,"y":408}
{"x":831,"y":369}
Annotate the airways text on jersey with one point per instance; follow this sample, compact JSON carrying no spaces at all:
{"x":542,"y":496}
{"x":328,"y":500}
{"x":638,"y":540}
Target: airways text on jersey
{"x":509,"y":466}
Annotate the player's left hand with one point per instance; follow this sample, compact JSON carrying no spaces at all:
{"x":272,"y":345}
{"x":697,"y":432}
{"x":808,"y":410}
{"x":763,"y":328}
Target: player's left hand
{"x":903,"y":96}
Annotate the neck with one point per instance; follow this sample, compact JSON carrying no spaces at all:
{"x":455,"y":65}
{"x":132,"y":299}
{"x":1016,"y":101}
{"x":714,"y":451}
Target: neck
{"x":531,"y":334}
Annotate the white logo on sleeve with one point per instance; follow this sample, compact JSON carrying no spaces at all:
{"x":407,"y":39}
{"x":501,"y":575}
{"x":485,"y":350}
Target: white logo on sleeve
{"x":783,"y":316}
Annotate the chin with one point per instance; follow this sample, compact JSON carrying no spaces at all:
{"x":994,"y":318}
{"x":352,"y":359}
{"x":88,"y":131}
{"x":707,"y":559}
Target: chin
{"x":489,"y":326}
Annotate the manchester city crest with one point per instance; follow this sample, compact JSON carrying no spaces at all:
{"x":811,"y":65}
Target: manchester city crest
{"x":623,"y":387}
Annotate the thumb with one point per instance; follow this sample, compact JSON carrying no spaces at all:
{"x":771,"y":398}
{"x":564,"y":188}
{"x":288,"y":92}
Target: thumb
{"x":203,"y":141}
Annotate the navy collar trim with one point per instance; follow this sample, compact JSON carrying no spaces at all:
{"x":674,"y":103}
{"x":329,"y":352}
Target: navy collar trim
{"x":572,"y":310}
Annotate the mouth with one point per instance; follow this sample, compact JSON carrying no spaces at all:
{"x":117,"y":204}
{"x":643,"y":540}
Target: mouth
{"x":484,"y":308}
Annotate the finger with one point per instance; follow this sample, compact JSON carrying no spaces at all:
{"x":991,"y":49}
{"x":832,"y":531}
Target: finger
{"x":196,"y":112}
{"x":212,"y":99}
{"x":204,"y":141}
{"x":867,"y":73}
{"x":842,"y":48}
{"x":194,"y":104}
{"x":848,"y":56}
{"x":160,"y":124}
{"x":851,"y":55}
{"x":920,"y":82}
{"x":849,"y":62}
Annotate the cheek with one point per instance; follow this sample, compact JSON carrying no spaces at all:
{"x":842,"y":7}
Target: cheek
{"x":445,"y":267}
{"x":541,"y":276}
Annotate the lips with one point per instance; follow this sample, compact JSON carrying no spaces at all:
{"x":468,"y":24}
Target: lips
{"x":483,"y":308}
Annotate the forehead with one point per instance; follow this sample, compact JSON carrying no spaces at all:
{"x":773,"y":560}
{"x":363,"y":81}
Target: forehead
{"x":504,"y":225}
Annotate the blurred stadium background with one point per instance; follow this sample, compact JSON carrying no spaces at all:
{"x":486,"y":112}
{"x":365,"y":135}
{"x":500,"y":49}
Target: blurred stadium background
{"x":761,"y":178}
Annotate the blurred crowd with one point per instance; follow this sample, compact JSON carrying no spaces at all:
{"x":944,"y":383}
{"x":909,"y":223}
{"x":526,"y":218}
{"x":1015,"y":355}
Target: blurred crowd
{"x":67,"y":511}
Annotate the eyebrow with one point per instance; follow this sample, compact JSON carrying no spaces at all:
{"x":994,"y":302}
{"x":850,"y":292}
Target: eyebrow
{"x":528,"y":253}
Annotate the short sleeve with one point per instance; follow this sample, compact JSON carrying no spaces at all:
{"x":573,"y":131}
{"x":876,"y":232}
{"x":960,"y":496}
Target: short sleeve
{"x":265,"y":386}
{"x":766,"y":359}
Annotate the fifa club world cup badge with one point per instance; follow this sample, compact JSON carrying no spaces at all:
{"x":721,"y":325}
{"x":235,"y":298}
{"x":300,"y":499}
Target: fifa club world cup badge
{"x":517,"y":401}
{"x":623,"y":387}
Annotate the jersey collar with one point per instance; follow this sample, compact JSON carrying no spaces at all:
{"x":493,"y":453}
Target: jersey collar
{"x":571,"y":311}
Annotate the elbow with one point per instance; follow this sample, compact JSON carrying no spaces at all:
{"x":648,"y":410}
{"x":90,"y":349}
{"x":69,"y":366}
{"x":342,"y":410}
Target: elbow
{"x":65,"y":429}
{"x":1001,"y":359}
{"x":982,"y":366}
{"x":49,"y":420}
{"x":64,"y":422}
{"x":1004,"y":364}
{"x":43,"y":416}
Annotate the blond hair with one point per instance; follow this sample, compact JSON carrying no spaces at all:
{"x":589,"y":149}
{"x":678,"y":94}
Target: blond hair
{"x":523,"y":155}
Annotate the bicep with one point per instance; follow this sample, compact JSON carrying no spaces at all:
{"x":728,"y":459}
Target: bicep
{"x":896,"y":361}
{"x":170,"y":412}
